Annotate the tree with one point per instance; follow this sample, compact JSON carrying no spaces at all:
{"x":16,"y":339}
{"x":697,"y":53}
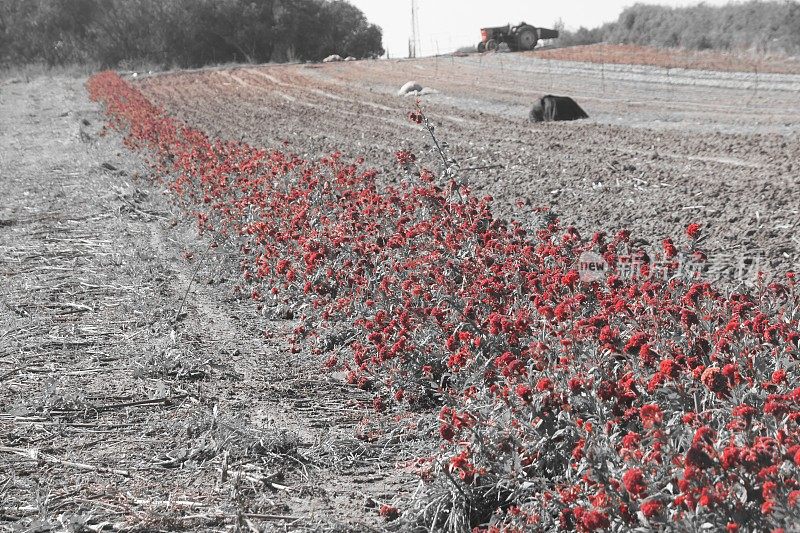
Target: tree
{"x":365,"y":42}
{"x":350,"y":34}
{"x":182,"y":32}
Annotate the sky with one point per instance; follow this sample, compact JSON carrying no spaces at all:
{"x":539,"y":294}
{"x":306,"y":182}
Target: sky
{"x":446,"y":25}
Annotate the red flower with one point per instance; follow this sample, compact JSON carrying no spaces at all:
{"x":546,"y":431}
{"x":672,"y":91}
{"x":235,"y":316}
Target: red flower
{"x":775,"y":407}
{"x":389,"y":512}
{"x":704,"y":435}
{"x":730,"y":457}
{"x":768,"y":490}
{"x":577,"y":451}
{"x":570,"y":278}
{"x":715,"y":381}
{"x":669,"y":249}
{"x":631,"y":440}
{"x":651,"y":508}
{"x":767,"y":506}
{"x":606,"y":390}
{"x":688,"y":318}
{"x":404,"y":157}
{"x":524,"y":392}
{"x":651,"y":415}
{"x":692,"y":230}
{"x":636,"y":341}
{"x":447,"y":432}
{"x":670,"y":368}
{"x":697,"y":458}
{"x":633,"y":480}
{"x":377,"y":404}
{"x":593,"y":520}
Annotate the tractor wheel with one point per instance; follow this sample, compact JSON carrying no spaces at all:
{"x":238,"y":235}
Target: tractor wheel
{"x":481,"y":47}
{"x":491,"y":45}
{"x":527,"y":39}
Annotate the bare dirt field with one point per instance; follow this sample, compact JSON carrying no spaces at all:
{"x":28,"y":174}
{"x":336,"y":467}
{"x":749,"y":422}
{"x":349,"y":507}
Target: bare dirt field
{"x":663,"y":147}
{"x":137,"y":393}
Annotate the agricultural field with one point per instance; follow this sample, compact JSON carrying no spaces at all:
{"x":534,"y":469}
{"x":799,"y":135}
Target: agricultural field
{"x":627,"y":54}
{"x":283,"y":297}
{"x":662,"y":148}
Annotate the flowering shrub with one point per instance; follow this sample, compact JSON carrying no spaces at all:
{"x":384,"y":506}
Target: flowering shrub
{"x":562,"y":404}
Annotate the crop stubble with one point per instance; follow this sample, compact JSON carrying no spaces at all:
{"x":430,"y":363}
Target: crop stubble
{"x":122,"y":407}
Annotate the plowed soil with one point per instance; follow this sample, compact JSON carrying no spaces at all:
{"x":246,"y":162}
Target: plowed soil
{"x":663,"y":148}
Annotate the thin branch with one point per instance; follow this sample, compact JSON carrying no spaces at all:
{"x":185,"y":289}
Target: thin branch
{"x":33,"y":454}
{"x":191,"y":280}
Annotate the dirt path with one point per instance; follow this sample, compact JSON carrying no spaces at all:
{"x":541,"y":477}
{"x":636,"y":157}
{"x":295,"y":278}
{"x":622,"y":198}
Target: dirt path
{"x":124,"y":408}
{"x":660,"y":151}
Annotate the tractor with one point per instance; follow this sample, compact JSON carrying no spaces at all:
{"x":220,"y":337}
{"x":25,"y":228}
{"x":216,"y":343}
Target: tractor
{"x":520,"y":37}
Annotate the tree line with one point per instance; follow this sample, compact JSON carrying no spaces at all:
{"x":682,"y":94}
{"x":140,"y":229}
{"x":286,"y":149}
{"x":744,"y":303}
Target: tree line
{"x":182,"y":33}
{"x":757,"y":26}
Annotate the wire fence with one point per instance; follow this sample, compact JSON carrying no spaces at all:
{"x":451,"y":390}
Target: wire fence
{"x":673,"y":93}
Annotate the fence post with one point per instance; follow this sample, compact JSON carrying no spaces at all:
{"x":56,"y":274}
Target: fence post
{"x":603,"y":77}
{"x":755,"y":92}
{"x":669,"y":84}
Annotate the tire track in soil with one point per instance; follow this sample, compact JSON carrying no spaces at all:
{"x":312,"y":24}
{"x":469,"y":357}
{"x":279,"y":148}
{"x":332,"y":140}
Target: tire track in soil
{"x":114,"y":413}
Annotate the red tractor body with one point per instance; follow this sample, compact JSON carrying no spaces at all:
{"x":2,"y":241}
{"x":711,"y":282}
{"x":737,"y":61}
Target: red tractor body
{"x":520,"y":37}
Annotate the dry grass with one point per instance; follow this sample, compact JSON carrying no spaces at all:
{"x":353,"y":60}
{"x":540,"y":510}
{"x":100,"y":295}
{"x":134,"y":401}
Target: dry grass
{"x":37,"y":70}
